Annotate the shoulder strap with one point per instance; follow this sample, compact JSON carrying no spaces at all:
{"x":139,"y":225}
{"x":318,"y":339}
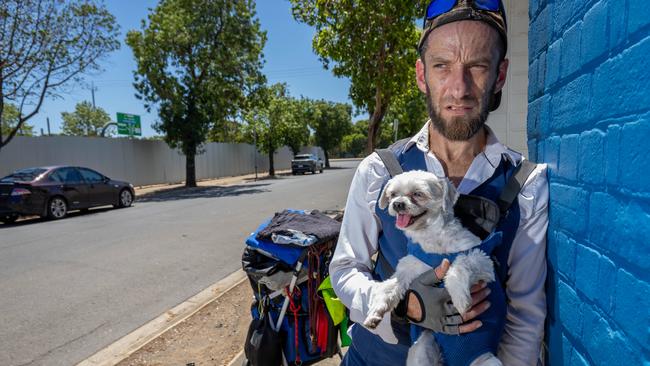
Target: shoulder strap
{"x":388,"y":157}
{"x":514,"y":185}
{"x":390,"y":162}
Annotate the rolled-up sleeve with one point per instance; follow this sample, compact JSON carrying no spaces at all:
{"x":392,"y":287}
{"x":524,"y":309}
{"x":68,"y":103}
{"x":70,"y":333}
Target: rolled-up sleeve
{"x":351,"y":266}
{"x":524,"y":329}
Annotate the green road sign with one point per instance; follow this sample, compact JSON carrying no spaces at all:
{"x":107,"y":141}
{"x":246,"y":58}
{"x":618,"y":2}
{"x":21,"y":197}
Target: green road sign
{"x":128,"y":124}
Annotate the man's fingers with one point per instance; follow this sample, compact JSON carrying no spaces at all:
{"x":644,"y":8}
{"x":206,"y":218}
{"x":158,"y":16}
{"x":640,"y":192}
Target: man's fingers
{"x":476,"y":311}
{"x":480,"y":296}
{"x":442,"y":269}
{"x":470,"y":327}
{"x":478,"y":287}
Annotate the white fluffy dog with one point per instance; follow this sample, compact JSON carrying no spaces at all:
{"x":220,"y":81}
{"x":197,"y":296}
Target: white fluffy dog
{"x":423,"y":206}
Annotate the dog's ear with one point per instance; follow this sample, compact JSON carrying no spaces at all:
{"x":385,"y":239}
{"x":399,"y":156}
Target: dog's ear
{"x":450,"y":195}
{"x":384,"y":199}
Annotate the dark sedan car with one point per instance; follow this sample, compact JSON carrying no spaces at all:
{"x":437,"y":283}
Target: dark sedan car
{"x":54,"y":191}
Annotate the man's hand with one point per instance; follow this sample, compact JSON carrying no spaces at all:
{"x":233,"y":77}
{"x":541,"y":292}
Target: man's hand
{"x":430,"y":306}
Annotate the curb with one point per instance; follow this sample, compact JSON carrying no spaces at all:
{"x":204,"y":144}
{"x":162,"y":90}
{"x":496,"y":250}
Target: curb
{"x":237,"y":360}
{"x":127,"y":345}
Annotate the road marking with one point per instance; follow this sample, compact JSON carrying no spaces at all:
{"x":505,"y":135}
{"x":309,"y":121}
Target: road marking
{"x":127,"y":345}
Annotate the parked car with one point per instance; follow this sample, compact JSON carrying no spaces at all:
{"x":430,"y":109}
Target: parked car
{"x":54,"y":191}
{"x":306,"y":163}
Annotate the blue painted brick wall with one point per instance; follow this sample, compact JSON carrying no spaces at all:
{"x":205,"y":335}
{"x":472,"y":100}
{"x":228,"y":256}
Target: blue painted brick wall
{"x":589,"y":120}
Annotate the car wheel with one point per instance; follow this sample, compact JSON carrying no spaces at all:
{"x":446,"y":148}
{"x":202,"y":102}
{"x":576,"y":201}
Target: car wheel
{"x":57,"y":208}
{"x":313,"y":170}
{"x":126,"y":198}
{"x":9,"y":219}
{"x":321,"y":168}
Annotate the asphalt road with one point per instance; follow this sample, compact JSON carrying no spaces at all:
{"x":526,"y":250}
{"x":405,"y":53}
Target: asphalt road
{"x":69,"y":288}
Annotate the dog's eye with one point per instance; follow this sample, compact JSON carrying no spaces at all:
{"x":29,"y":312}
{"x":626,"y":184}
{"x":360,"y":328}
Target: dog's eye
{"x":417,"y":194}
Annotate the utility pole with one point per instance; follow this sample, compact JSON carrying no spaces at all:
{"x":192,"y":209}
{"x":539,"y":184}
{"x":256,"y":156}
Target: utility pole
{"x":48,"y":126}
{"x":395,"y":127}
{"x":92,"y":92}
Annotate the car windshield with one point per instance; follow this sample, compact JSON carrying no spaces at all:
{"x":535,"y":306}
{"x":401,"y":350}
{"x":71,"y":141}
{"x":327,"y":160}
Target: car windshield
{"x":24,"y":175}
{"x":302,"y":157}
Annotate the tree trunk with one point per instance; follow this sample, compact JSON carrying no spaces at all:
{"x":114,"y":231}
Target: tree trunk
{"x":271,"y":167}
{"x":375,"y":122}
{"x":190,"y":169}
{"x":327,"y":159}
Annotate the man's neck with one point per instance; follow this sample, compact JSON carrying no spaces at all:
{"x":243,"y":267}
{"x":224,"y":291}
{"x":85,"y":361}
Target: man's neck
{"x":456,"y":156}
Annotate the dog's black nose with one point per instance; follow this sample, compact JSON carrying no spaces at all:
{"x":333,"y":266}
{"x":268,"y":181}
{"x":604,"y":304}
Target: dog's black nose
{"x":399,"y":206}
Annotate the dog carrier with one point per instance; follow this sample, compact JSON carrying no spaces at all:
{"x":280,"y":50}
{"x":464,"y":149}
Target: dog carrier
{"x":286,"y":260}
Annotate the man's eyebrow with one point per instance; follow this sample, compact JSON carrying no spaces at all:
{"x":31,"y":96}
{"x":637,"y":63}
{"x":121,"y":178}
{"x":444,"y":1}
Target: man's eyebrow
{"x":438,"y":59}
{"x":479,"y":60}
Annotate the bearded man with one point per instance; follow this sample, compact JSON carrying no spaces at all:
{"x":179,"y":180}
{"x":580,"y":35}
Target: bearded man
{"x":462,"y":70}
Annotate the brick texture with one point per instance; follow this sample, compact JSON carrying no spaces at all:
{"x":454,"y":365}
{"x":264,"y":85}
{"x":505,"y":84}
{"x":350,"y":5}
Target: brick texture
{"x":589,"y":120}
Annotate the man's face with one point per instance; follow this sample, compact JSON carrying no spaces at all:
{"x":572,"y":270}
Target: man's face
{"x":460,"y":74}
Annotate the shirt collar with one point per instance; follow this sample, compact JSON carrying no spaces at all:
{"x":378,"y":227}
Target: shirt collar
{"x":493,"y":152}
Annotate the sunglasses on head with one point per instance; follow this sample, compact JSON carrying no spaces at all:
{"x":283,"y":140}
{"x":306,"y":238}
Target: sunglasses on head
{"x":439,"y":7}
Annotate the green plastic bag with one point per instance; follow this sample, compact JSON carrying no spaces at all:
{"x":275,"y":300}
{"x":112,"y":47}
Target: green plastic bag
{"x":336,"y":309}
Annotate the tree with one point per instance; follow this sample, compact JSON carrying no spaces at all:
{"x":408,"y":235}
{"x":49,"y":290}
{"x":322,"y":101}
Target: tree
{"x":46,"y":44}
{"x":409,"y":111}
{"x":196,"y":62}
{"x":330,"y":122}
{"x":293,"y":126}
{"x":372,"y":43}
{"x":275,"y":122}
{"x":85,"y":120}
{"x":10,"y":118}
{"x":354,"y":144}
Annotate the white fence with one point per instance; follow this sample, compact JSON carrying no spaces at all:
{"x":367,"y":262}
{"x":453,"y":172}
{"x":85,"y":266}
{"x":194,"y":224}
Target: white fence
{"x":140,"y":162}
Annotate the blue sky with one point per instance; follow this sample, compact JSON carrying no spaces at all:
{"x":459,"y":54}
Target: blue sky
{"x":288,"y":54}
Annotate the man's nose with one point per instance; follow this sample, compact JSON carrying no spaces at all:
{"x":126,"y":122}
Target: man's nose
{"x":399,"y":206}
{"x":461,"y":80}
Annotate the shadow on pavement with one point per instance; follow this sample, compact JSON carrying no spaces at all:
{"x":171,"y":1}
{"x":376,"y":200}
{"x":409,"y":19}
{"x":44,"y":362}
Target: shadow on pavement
{"x":340,"y":167}
{"x":183,"y":193}
{"x":29,"y":220}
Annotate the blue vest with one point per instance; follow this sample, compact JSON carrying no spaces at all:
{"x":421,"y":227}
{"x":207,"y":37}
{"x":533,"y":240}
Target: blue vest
{"x":369,"y":349}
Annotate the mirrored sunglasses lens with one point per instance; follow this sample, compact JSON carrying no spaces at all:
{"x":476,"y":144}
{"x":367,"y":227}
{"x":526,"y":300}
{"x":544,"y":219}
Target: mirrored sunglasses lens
{"x":438,"y":7}
{"x":491,"y":5}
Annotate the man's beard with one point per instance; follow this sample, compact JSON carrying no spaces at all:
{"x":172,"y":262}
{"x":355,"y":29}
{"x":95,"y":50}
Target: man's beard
{"x":458,"y":128}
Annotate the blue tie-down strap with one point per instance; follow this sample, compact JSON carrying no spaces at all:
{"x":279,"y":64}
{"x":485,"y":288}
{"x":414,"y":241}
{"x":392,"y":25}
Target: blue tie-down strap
{"x":462,"y":349}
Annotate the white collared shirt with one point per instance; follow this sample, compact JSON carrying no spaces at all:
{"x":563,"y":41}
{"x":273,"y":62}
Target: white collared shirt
{"x":351,"y":267}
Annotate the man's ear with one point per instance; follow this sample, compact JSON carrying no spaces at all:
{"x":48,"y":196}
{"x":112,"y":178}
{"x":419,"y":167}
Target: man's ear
{"x":450,"y":195}
{"x":420,"y":76}
{"x":383,"y":199}
{"x":502,"y":72}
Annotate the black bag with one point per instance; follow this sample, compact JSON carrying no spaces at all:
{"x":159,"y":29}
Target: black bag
{"x":263,"y":344}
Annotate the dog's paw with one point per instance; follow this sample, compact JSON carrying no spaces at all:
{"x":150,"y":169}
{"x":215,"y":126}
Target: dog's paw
{"x":372,"y":321}
{"x":384,"y":297}
{"x":461,"y":299}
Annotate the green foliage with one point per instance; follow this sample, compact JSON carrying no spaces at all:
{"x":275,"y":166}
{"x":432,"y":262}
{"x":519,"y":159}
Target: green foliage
{"x":45,"y":45}
{"x":228,"y":131}
{"x":85,"y":120}
{"x":197,"y":62}
{"x":330,"y":122}
{"x":10,"y":118}
{"x":276,"y":121}
{"x":371,"y":42}
{"x":353,"y":145}
{"x":409,"y":110}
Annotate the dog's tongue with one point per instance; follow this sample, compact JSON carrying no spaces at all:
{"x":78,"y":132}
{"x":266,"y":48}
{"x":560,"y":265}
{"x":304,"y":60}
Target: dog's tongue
{"x":403,"y":220}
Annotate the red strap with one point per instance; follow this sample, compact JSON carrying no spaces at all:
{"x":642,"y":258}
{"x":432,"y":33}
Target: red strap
{"x":295,"y":309}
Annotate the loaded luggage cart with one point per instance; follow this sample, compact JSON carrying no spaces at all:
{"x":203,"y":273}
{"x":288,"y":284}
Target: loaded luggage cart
{"x":287,"y":260}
